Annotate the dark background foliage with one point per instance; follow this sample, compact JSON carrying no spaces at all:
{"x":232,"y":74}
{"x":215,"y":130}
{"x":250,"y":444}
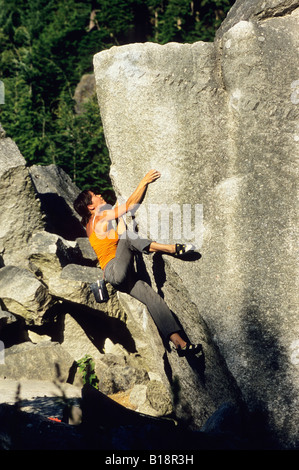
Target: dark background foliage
{"x":45,"y":48}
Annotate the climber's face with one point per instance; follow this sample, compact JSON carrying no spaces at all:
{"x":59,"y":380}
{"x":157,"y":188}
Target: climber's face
{"x":96,"y":200}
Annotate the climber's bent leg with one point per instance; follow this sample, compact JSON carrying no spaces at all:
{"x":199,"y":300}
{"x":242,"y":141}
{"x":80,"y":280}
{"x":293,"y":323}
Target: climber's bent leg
{"x":123,"y":278}
{"x":156,"y":306}
{"x":145,"y":245}
{"x":117,"y":270}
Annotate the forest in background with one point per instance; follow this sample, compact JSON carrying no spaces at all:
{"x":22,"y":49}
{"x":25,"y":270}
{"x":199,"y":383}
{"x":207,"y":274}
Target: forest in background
{"x":45,"y":48}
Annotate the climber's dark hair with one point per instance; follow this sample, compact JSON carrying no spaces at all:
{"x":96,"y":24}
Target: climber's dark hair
{"x":80,"y":205}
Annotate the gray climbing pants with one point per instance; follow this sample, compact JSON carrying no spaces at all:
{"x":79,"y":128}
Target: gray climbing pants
{"x":121,"y":274}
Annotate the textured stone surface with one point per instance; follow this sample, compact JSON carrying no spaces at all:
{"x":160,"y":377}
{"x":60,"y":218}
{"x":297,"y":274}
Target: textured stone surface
{"x":76,"y":343}
{"x":48,"y":253}
{"x":158,"y":397}
{"x":57,"y":192}
{"x":23,"y":294}
{"x":257,"y":9}
{"x":29,"y":390}
{"x":220,"y":121}
{"x":10,"y":155}
{"x":20,"y":211}
{"x":21,"y":360}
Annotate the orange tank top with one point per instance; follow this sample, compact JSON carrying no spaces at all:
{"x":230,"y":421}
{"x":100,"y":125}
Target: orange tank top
{"x":105,"y":248}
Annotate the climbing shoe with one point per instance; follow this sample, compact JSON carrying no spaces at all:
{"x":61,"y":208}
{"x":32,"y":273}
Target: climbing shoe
{"x":182,"y":249}
{"x":189,"y":350}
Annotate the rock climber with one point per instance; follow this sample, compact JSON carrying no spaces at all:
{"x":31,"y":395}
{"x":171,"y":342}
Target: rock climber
{"x":115,"y":250}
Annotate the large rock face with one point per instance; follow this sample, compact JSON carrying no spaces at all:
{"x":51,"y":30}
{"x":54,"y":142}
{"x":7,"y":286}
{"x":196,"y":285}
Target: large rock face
{"x":220,"y":121}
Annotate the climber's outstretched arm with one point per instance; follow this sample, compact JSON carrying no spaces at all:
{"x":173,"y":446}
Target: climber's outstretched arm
{"x":135,"y":198}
